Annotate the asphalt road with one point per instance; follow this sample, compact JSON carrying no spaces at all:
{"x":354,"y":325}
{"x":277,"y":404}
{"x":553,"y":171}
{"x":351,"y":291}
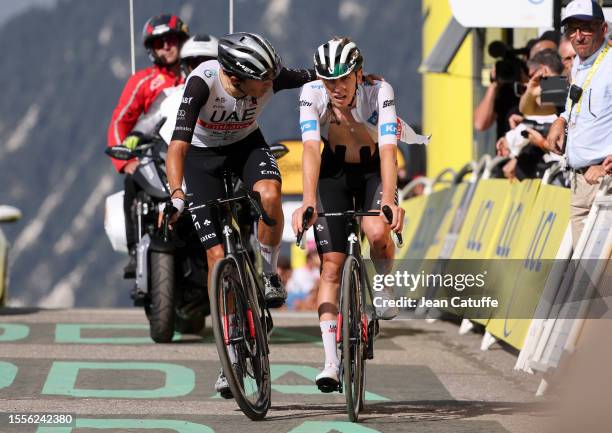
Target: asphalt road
{"x":100,"y":367}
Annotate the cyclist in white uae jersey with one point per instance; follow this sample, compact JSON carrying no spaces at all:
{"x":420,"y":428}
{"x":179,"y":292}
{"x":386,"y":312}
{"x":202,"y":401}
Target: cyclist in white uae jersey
{"x":216,"y":129}
{"x":357,"y":168}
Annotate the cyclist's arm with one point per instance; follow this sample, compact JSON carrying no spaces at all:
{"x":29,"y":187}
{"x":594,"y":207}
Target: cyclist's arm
{"x":311,"y":137}
{"x":293,"y":78}
{"x":194,"y":97}
{"x":387,"y":142}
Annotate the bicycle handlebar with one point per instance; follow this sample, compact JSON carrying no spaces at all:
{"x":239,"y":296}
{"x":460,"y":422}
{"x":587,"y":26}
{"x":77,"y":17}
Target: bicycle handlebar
{"x":389,"y":215}
{"x":347,"y":214}
{"x":305,"y":218}
{"x":253,"y":198}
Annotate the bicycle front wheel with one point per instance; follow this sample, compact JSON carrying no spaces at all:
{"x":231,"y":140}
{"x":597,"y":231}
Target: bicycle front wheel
{"x":353,"y":347}
{"x":240,"y":338}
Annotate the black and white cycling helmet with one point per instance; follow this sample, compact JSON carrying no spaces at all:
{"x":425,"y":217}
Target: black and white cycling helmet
{"x":337,"y":58}
{"x":248,"y":56}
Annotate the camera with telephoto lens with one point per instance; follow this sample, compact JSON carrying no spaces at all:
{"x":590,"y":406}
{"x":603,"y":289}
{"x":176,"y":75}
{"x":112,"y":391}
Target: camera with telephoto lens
{"x":510,"y":68}
{"x":542,"y":128}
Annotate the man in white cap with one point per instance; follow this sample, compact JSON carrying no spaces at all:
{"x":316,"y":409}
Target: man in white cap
{"x":587,"y":118}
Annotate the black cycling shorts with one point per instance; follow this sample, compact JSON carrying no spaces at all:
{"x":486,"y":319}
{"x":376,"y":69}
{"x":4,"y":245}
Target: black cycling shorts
{"x":249,"y":158}
{"x":343,"y":187}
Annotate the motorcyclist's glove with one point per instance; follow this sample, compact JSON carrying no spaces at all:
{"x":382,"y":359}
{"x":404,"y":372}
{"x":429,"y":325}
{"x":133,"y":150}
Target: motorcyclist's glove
{"x":131,"y":141}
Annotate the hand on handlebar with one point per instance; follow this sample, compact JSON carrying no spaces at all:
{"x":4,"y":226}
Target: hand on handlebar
{"x":177,"y":207}
{"x":298,"y":221}
{"x":397,"y":220}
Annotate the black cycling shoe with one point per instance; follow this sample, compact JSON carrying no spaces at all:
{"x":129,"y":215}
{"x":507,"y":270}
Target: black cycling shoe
{"x":274,"y":292}
{"x":129,"y":271}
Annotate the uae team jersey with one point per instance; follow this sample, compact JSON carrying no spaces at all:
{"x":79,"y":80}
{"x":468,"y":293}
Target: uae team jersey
{"x":210,"y":117}
{"x":375,"y":108}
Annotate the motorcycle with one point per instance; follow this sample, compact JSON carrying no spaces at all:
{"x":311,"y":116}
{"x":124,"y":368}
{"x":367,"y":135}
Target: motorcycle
{"x":171,"y":266}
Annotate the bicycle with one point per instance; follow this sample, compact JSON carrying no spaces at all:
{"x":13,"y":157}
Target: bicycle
{"x":240,"y":319}
{"x":355,"y":332}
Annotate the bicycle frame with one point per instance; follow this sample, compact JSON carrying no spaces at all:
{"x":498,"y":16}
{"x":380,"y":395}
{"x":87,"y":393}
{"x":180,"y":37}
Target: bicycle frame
{"x":232,"y":246}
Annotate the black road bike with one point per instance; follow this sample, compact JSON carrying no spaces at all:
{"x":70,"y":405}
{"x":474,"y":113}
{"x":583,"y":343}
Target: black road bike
{"x":240,"y":319}
{"x":357,"y":324}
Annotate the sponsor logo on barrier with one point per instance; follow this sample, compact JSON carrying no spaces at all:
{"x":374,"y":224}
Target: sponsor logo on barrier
{"x":508,"y":231}
{"x":308,"y":125}
{"x":481,"y":221}
{"x":533,"y":259}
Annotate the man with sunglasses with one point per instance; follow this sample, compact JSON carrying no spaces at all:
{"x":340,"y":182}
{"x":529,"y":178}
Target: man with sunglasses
{"x":162,"y":37}
{"x":583,"y":131}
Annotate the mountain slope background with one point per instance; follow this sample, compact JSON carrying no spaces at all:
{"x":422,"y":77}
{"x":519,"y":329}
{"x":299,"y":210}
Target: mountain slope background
{"x":63,"y":70}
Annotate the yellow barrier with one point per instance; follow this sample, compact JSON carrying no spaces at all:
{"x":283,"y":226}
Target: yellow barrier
{"x":542,"y":236}
{"x":506,"y":239}
{"x":477,"y":234}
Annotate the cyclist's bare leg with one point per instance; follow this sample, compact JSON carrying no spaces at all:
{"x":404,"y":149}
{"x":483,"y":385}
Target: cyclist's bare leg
{"x":382,"y":249}
{"x":213,"y":255}
{"x":270,"y":193}
{"x":327,"y":300}
{"x":382,"y":252}
{"x":270,"y":236}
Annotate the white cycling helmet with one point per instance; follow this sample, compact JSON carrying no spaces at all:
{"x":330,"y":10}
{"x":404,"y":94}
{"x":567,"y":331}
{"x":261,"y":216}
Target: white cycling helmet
{"x":200,"y":46}
{"x":197,"y":49}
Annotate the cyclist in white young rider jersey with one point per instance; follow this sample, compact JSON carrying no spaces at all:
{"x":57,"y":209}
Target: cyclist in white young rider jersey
{"x":216,"y":128}
{"x":358,"y":166}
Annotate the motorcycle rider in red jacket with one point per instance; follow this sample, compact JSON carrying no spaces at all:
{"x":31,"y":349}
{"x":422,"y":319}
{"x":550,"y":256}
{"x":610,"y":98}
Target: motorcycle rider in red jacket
{"x":162,"y":36}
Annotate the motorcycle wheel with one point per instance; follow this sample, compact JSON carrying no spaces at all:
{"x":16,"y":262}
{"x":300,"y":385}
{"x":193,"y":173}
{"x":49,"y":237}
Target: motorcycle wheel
{"x":160,"y":308}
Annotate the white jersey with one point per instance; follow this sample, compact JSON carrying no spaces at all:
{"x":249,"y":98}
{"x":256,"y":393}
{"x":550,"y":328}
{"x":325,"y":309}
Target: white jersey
{"x":375,"y":108}
{"x":211,"y":117}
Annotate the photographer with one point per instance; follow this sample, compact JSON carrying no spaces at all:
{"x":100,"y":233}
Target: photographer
{"x":542,"y":65}
{"x":588,"y":115}
{"x":500,"y":101}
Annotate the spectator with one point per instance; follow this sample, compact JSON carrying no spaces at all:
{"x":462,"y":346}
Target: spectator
{"x":588,"y":120}
{"x":546,"y":63}
{"x":567,"y":53}
{"x":608,"y":164}
{"x":303,"y":280}
{"x":284,"y":269}
{"x":549,"y":40}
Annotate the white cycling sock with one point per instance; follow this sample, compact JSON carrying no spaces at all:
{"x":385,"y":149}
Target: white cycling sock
{"x":328,"y":333}
{"x":269,"y":255}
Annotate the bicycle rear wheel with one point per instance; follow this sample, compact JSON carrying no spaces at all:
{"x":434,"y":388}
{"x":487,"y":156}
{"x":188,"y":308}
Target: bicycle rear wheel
{"x":353,"y":347}
{"x":240,"y":338}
